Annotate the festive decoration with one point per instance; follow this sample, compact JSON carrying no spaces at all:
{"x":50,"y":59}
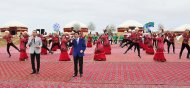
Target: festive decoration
{"x":56,"y":27}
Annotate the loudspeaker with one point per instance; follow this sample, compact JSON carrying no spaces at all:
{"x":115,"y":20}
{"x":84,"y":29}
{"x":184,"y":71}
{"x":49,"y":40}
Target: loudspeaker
{"x":42,"y":31}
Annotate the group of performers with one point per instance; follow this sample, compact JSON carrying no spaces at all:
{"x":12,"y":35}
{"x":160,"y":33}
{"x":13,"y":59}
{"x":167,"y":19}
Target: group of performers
{"x":151,"y":43}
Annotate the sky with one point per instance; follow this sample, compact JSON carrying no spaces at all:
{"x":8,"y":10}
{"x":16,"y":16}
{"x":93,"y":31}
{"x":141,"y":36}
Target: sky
{"x":42,"y":14}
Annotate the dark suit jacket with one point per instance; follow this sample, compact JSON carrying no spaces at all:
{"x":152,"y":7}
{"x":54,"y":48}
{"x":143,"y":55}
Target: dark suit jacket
{"x":78,"y":47}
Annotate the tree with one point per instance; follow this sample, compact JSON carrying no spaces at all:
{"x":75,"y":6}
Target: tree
{"x":91,"y":26}
{"x":161,"y":27}
{"x":110,"y":29}
{"x":76,"y":27}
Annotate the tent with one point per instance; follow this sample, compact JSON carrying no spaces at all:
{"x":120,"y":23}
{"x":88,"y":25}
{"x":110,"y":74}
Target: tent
{"x":182,"y":28}
{"x":83,"y":27}
{"x":14,"y":27}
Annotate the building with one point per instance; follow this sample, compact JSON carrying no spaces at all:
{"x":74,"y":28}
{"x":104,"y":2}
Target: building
{"x":13,"y":27}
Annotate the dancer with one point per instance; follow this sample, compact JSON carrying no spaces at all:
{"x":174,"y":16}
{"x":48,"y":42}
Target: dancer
{"x":159,"y":56}
{"x":127,"y":40}
{"x":135,"y":38}
{"x":115,"y":37}
{"x":8,"y":37}
{"x":26,"y":36}
{"x":154,"y":35}
{"x":165,"y":37}
{"x":110,"y":38}
{"x":89,"y":43}
{"x":99,"y":54}
{"x":64,"y":56}
{"x":149,"y":49}
{"x":23,"y":54}
{"x":106,"y":44}
{"x":185,"y":42}
{"x":45,"y":46}
{"x":95,"y":38}
{"x":55,"y":42}
{"x":171,"y":38}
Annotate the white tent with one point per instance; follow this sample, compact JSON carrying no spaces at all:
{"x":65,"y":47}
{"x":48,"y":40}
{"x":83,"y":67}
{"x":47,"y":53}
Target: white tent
{"x":182,"y":28}
{"x":71,"y":24}
{"x":13,"y":24}
{"x":130,"y":23}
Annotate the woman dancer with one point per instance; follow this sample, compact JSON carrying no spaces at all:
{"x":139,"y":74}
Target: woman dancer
{"x":89,"y":43}
{"x":149,"y":49}
{"x":99,"y":54}
{"x":159,"y":56}
{"x":64,"y":56}
{"x":23,"y":54}
{"x":106,"y":44}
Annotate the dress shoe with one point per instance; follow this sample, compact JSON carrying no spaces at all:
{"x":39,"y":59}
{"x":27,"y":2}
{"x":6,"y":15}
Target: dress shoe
{"x":37,"y":72}
{"x":33,"y":73}
{"x":74,"y":75}
{"x":139,"y":56}
{"x":80,"y":75}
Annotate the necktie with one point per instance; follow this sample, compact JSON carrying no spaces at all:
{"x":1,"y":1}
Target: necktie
{"x":34,"y":40}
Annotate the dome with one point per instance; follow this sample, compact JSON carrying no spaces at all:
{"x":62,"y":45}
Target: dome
{"x":130,"y":23}
{"x":13,"y":24}
{"x":71,"y":24}
{"x":182,"y":28}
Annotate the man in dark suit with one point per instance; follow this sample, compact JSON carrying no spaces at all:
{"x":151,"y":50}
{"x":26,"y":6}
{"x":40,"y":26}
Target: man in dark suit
{"x":79,"y":47}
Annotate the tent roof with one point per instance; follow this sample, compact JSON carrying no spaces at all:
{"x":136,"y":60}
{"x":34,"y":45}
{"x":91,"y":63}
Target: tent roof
{"x":130,"y":23}
{"x":71,"y":24}
{"x":182,"y":27}
{"x":13,"y":24}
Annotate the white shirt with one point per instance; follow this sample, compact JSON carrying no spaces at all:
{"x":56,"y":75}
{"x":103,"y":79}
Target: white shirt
{"x":77,"y":40}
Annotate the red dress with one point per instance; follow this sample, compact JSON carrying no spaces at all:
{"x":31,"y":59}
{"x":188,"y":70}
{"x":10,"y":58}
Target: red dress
{"x":44,"y":41}
{"x":159,"y":56}
{"x":64,"y":56}
{"x":71,"y":51}
{"x":99,"y":54}
{"x":141,"y":42}
{"x":106,"y":44}
{"x":145,"y":42}
{"x":89,"y":43}
{"x":23,"y":54}
{"x":149,"y":49}
{"x":55,"y":40}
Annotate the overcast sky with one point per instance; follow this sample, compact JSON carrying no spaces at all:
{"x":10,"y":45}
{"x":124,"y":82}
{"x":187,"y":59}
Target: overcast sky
{"x":44,"y":13}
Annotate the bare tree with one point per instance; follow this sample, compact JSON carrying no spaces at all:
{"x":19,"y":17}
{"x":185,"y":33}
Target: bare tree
{"x":91,"y":26}
{"x":76,"y":27}
{"x":110,"y":29}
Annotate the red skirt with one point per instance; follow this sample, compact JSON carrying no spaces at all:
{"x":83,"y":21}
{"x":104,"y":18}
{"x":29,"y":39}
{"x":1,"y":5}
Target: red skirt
{"x":71,"y":51}
{"x":159,"y":56}
{"x":23,"y":56}
{"x":55,"y":48}
{"x":89,"y":44}
{"x":145,"y":47}
{"x":43,"y":51}
{"x":107,"y":49}
{"x":64,"y":56}
{"x":141,"y":45}
{"x":150,"y":50}
{"x":100,"y":56}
